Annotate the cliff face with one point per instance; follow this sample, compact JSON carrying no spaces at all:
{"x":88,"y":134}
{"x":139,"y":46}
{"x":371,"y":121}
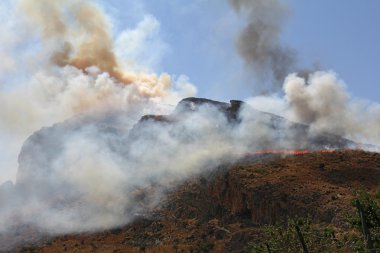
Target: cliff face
{"x":278,"y":187}
{"x":269,"y":189}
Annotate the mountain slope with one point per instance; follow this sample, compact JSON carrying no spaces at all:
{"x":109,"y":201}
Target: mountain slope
{"x":96,"y":172}
{"x":222,"y":210}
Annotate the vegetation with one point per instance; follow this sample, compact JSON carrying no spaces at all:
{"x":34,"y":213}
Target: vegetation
{"x":363,"y":237}
{"x":368,"y":219}
{"x":284,"y":238}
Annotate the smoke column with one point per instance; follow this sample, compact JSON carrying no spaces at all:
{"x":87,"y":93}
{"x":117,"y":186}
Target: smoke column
{"x":61,"y":22}
{"x":259,"y":42}
{"x":316,"y":98}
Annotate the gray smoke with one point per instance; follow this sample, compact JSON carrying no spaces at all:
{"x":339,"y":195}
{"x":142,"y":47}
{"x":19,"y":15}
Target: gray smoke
{"x":259,"y":42}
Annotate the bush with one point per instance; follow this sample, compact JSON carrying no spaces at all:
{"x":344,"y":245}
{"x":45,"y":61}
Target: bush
{"x":370,"y":206}
{"x":284,"y":238}
{"x":323,"y":238}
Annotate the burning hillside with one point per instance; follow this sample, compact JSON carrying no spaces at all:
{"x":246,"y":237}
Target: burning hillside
{"x":222,"y":210}
{"x":93,"y":137}
{"x":83,"y":174}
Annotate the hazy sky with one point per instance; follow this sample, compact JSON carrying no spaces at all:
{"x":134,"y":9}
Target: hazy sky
{"x":198,"y":39}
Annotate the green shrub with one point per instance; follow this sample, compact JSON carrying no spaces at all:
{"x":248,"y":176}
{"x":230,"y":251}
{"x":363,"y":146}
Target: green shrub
{"x":371,"y":210}
{"x":284,"y":238}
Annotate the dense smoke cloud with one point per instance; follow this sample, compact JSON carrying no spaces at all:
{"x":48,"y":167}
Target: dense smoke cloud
{"x":83,"y":182}
{"x":259,"y":42}
{"x":79,"y":34}
{"x":321,"y":101}
{"x":95,"y":172}
{"x":100,"y":170}
{"x":57,"y":90}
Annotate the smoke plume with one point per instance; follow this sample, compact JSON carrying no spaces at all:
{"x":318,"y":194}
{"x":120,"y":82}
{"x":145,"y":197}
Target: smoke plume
{"x":259,"y":42}
{"x":82,"y":32}
{"x":79,"y":34}
{"x":83,"y":182}
{"x":316,"y":98}
{"x":321,"y":101}
{"x":69,"y":59}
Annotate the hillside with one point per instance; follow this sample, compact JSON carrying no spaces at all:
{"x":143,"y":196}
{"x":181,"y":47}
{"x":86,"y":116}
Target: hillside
{"x":222,"y":210}
{"x":207,"y":176}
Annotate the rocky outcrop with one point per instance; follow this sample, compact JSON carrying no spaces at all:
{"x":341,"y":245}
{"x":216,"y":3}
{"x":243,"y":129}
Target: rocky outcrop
{"x":230,"y":110}
{"x":318,"y":185}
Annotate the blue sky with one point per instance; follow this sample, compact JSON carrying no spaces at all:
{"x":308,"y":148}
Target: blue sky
{"x":341,"y":35}
{"x":337,"y":35}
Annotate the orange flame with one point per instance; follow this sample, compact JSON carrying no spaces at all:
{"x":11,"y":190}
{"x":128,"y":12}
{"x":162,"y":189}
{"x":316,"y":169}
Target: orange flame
{"x":295,"y":152}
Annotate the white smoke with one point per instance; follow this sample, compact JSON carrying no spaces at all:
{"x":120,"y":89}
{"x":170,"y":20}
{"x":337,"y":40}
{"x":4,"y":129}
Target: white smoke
{"x":322,"y":101}
{"x":52,"y":93}
{"x":74,"y":69}
{"x":141,"y":45}
{"x":86,"y":174}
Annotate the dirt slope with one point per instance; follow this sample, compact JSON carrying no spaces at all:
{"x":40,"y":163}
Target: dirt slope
{"x":222,"y":210}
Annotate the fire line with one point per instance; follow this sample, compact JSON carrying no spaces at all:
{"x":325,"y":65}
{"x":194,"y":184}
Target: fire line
{"x":296,"y":152}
